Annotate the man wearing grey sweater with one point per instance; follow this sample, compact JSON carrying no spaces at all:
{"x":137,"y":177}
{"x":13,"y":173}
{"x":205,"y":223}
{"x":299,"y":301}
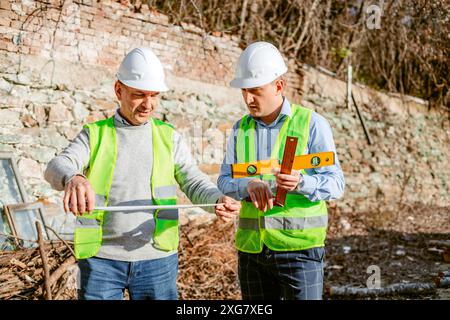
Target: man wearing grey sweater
{"x":114,"y":162}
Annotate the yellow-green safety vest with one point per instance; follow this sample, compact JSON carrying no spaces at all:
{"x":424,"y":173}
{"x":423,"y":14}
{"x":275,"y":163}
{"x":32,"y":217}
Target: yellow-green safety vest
{"x":300,"y":224}
{"x":103,"y":155}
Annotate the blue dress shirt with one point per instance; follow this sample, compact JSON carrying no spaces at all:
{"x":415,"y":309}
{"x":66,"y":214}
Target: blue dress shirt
{"x":325,"y":183}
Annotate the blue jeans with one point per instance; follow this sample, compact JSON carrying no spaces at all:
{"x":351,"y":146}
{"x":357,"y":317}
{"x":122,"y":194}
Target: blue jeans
{"x":104,"y":279}
{"x":275,"y":275}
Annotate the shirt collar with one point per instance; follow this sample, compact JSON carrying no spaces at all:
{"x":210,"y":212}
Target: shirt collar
{"x":285,"y":111}
{"x":121,"y":120}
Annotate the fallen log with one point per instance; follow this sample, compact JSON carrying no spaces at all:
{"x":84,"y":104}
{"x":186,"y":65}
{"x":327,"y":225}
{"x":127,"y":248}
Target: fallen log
{"x":397,"y":288}
{"x":439,"y":243}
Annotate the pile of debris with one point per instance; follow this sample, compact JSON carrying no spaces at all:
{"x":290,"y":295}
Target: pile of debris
{"x":413,"y":265}
{"x":208,"y":262}
{"x":22,"y":273}
{"x":207,"y":267}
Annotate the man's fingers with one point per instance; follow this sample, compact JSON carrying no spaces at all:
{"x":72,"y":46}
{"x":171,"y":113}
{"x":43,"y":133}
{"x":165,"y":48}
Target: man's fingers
{"x":258,"y":199}
{"x":90,"y":200}
{"x":269,"y":198}
{"x":288,"y":186}
{"x":261,"y":195}
{"x":263,"y":199}
{"x":81,"y":199}
{"x":233,"y":206}
{"x":287,"y":177}
{"x":66,"y":199}
{"x":254,"y":200}
{"x":287,"y":183}
{"x":225,"y":214}
{"x":73,"y":204}
{"x":224,"y":219}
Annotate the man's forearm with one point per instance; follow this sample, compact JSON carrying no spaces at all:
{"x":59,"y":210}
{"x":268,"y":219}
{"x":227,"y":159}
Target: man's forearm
{"x":69,"y":162}
{"x":193,"y":182}
{"x":325,"y":186}
{"x":58,"y":172}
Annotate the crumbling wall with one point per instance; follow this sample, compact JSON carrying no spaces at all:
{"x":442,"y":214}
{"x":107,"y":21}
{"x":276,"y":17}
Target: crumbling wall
{"x":57,"y":66}
{"x":406,"y":162}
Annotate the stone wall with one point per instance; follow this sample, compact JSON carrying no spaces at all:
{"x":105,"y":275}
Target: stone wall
{"x":57,"y":72}
{"x":406,"y":162}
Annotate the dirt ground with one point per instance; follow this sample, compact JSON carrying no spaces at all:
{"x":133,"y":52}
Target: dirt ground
{"x":396,"y":242}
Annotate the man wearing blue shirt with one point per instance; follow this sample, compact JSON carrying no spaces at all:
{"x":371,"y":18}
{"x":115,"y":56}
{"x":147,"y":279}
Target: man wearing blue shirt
{"x":280,"y":249}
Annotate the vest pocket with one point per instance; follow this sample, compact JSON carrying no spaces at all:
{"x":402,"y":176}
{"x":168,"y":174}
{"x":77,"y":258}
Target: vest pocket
{"x":87,"y":236}
{"x":248,"y":241}
{"x":166,"y":235}
{"x":87,"y":241}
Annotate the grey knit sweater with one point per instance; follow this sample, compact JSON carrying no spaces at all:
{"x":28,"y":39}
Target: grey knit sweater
{"x":127,"y":236}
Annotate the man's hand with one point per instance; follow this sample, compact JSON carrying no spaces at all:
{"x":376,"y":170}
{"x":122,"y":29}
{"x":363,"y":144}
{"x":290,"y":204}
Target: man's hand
{"x":287,"y":181}
{"x":79,"y":196}
{"x":229,"y":209}
{"x":260,"y":194}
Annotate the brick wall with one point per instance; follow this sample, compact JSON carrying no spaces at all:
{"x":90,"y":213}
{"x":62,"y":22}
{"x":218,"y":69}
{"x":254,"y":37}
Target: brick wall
{"x":101,"y":34}
{"x":57,"y":69}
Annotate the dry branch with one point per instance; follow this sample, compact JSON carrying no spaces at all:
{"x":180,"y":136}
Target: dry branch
{"x":48,"y":292}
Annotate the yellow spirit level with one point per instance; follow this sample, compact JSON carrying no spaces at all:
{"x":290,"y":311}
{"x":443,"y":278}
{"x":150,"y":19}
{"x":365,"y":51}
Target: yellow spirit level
{"x":308,"y":161}
{"x":289,"y":162}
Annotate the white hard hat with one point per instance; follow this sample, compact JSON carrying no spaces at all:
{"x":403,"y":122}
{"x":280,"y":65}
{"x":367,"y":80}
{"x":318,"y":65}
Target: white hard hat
{"x":259,"y":64}
{"x":141,"y":69}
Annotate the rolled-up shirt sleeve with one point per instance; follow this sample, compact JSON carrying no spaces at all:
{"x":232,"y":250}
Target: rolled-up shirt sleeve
{"x":324,"y":183}
{"x":193,"y":182}
{"x":71,"y":161}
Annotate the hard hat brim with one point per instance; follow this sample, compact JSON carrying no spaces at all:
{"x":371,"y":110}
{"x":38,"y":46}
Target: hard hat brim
{"x":150,"y":87}
{"x":246,"y":83}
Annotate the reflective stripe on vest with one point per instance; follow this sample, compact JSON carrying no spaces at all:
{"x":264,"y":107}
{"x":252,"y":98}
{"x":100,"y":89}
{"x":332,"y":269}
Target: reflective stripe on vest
{"x":103,"y":146}
{"x":283,"y":223}
{"x":300,"y":224}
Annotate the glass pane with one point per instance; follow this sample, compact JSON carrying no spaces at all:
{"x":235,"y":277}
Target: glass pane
{"x":9,"y":189}
{"x":24,"y":221}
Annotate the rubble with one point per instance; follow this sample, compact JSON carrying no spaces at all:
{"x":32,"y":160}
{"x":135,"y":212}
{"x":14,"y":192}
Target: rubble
{"x":21,"y":273}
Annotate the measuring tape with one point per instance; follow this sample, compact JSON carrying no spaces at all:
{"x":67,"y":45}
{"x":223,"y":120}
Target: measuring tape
{"x":155,"y":207}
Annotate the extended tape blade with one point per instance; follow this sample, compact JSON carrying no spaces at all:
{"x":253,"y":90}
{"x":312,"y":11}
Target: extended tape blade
{"x":154,"y":207}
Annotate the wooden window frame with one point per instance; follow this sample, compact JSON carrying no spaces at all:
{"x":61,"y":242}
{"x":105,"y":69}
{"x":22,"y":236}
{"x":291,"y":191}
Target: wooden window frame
{"x":12,"y":209}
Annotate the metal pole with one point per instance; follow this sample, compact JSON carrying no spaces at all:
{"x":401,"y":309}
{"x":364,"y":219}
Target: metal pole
{"x":366,"y":132}
{"x":349,"y":85}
